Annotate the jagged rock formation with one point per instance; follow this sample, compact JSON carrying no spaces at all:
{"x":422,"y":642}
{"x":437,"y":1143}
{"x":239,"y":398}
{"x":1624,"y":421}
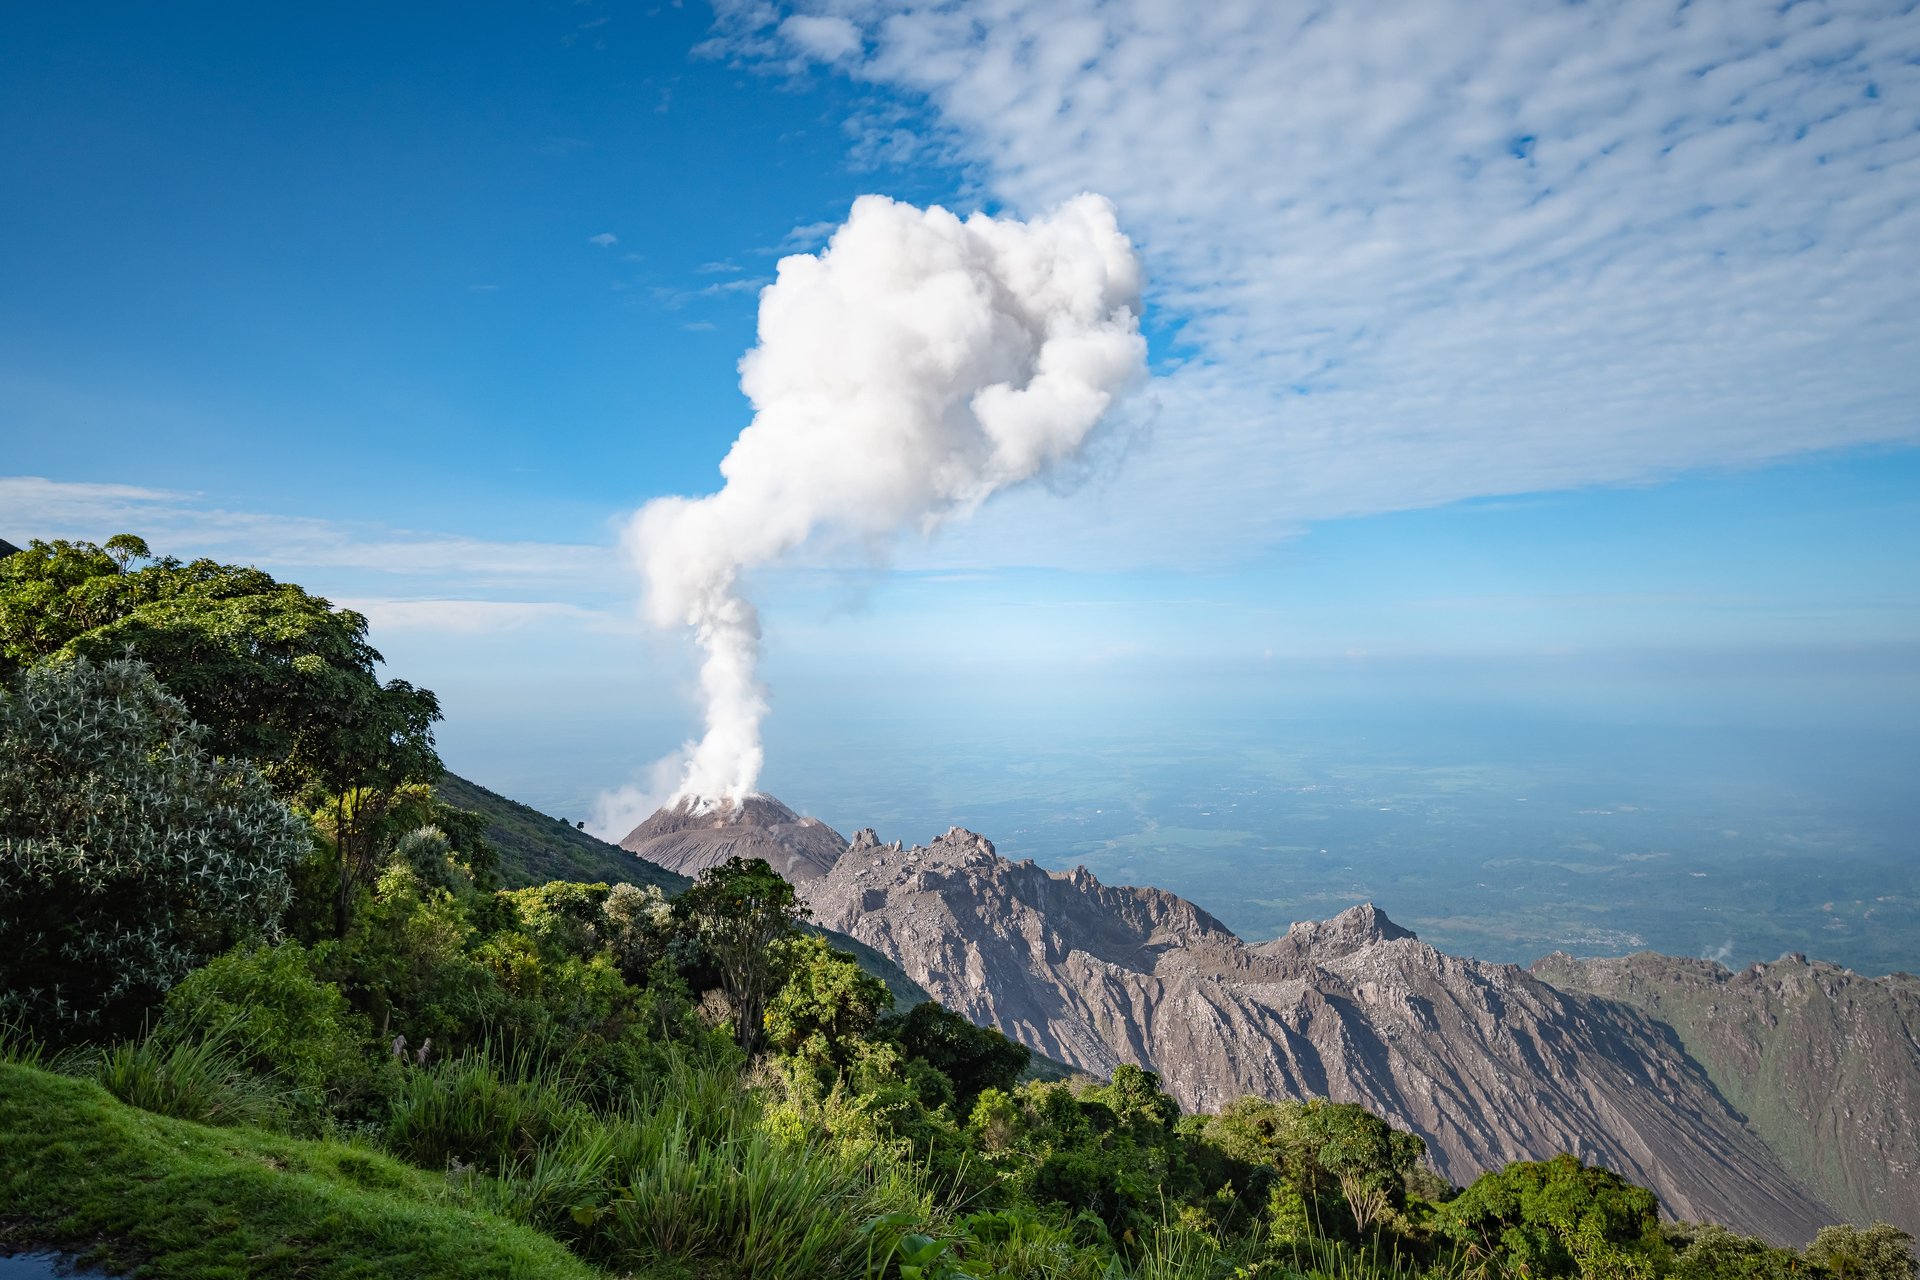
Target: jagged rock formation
{"x":1824,"y":1062}
{"x":690,"y":836}
{"x":1485,"y":1061}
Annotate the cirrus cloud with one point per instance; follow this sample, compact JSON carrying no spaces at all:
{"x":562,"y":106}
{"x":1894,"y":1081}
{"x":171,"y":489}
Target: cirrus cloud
{"x":1408,"y":253}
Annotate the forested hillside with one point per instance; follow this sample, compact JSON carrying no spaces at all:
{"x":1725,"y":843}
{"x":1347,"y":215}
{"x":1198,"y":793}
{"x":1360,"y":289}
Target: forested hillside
{"x":281,"y":1000}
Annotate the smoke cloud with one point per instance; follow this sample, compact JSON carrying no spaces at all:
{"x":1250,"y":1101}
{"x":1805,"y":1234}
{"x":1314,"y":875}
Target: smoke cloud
{"x":913,"y":368}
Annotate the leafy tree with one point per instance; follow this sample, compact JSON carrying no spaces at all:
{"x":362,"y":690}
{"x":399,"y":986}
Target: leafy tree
{"x":736,"y":912}
{"x":1555,"y":1218}
{"x":1366,"y":1156}
{"x":129,"y":854}
{"x":277,"y":676}
{"x":1715,"y":1253}
{"x":973,"y":1058}
{"x":1878,"y":1252}
{"x":638,"y":927}
{"x":827,"y":1005}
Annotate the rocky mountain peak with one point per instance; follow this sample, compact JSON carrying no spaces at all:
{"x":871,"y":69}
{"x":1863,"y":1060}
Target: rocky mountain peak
{"x":690,"y":835}
{"x":1486,"y":1062}
{"x":1352,"y":930}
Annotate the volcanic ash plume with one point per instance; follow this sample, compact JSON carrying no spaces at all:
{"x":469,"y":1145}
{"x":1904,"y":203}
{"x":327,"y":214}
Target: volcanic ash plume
{"x":913,"y":368}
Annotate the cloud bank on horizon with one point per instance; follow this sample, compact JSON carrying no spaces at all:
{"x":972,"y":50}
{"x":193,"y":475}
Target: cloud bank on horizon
{"x":915,"y":367}
{"x":1431,"y":250}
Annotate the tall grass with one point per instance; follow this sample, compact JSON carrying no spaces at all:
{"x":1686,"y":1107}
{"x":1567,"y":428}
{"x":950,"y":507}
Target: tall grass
{"x":686,"y":1175}
{"x":481,"y":1113}
{"x":200,"y":1078}
{"x":19,"y":1047}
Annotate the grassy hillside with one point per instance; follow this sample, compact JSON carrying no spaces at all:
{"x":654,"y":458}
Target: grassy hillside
{"x":535,"y":849}
{"x":81,"y":1170}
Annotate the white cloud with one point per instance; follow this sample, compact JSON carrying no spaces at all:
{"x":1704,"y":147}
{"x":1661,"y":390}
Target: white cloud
{"x":185,"y":524}
{"x":807,"y":237}
{"x":606,"y":239}
{"x":827,"y":38}
{"x":1433,"y":249}
{"x":480,"y":616}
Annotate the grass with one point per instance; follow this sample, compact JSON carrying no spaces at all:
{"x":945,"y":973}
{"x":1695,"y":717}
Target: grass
{"x":81,"y":1170}
{"x":535,"y":848}
{"x":687,"y":1179}
{"x":187,"y":1078}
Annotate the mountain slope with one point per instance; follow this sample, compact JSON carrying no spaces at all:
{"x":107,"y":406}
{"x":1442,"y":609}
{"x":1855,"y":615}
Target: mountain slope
{"x":688,"y":837}
{"x":535,"y":849}
{"x":1824,"y":1062}
{"x":1487,"y":1062}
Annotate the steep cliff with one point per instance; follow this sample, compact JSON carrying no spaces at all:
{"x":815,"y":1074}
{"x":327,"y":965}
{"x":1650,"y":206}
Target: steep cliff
{"x":1487,"y":1062}
{"x":1824,"y":1062}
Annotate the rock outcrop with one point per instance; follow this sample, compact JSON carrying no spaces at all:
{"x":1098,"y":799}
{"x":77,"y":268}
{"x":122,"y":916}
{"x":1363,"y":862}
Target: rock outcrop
{"x":1486,"y":1062}
{"x":691,"y":835}
{"x":1824,"y":1062}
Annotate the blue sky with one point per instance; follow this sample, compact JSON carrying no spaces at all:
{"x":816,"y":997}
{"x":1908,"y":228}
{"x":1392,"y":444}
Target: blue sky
{"x":1529,"y":357}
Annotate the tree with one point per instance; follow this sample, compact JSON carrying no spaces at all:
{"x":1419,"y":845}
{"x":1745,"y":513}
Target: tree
{"x":1368,"y":1157}
{"x":826,"y":1006}
{"x":1879,"y":1252}
{"x":1555,"y":1218}
{"x":129,"y":854}
{"x":277,"y":676}
{"x":973,"y":1058}
{"x":736,"y":912}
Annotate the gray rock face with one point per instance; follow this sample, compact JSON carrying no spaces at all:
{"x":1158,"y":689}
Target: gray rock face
{"x":1486,"y":1062}
{"x":1824,"y":1062}
{"x":689,"y":837}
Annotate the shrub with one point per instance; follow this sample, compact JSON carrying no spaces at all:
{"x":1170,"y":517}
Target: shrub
{"x":296,"y":1028}
{"x":1878,"y":1252}
{"x":128,"y":853}
{"x":199,"y":1078}
{"x":476,"y":1112}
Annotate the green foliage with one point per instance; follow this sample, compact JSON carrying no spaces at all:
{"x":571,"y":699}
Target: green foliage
{"x":974,"y":1058}
{"x":826,"y":1006}
{"x":1715,"y":1253}
{"x":128,"y":853}
{"x":638,"y":926}
{"x":274,"y":675}
{"x":185,"y":1202}
{"x":292,"y":1027}
{"x":472,"y":1111}
{"x":736,"y":913}
{"x":200,"y":1078}
{"x":277,"y":676}
{"x":1557,"y":1218}
{"x":408,"y":963}
{"x":1878,"y":1252}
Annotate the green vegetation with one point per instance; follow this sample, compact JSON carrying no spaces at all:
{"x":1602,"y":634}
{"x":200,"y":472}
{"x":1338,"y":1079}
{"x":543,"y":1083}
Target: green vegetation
{"x":184,"y":1200}
{"x":131,"y":853}
{"x":534,"y":848}
{"x":389,"y":1064}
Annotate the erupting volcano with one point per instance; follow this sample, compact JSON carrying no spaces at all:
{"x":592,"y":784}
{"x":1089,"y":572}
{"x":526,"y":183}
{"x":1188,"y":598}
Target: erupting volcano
{"x":690,"y":835}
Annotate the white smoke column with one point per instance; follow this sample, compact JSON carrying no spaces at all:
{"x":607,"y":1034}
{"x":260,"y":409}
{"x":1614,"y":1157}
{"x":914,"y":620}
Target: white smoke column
{"x":914,"y":367}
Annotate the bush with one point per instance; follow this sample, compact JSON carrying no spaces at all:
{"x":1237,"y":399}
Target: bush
{"x":128,"y":853}
{"x":198,"y":1078}
{"x":474,"y":1112}
{"x":295,"y":1027}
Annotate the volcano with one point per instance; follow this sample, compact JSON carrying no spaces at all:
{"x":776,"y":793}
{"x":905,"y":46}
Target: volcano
{"x":690,"y":835}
